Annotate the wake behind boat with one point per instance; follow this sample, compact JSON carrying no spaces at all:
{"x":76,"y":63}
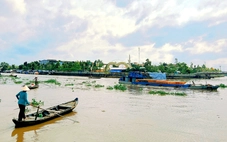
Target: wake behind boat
{"x":43,"y":115}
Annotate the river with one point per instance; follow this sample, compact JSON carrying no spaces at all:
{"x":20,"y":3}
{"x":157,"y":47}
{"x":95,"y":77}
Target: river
{"x":104,"y":115}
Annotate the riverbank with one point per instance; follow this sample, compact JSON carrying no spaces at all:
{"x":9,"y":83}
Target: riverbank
{"x":203,"y":75}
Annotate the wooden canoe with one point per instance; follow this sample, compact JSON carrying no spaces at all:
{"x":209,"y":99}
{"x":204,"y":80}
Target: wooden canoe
{"x":204,"y":87}
{"x":33,"y":86}
{"x":43,"y":115}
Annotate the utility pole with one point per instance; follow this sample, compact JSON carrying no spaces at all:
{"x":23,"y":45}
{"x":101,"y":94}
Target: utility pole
{"x":176,"y":61}
{"x":129,"y":60}
{"x":139,"y":54}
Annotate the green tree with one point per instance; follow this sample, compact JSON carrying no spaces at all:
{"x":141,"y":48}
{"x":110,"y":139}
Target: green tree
{"x":4,"y":66}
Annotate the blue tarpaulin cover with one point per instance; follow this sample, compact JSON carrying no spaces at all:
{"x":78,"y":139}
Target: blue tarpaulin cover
{"x":157,"y":75}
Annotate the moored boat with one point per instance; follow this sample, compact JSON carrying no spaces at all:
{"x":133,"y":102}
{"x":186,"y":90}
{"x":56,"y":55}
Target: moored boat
{"x":151,"y":79}
{"x":159,"y":79}
{"x":203,"y":86}
{"x":43,"y":115}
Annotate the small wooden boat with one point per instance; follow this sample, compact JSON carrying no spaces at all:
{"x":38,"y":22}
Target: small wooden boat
{"x":33,"y":86}
{"x":43,"y":115}
{"x":204,"y":87}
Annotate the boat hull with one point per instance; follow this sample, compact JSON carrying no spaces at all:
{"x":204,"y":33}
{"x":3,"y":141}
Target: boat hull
{"x":33,"y":86}
{"x":137,"y":78}
{"x":156,"y":84}
{"x":205,"y":87}
{"x":47,"y":114}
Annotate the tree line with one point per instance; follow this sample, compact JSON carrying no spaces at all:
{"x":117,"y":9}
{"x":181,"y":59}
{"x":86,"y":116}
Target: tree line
{"x":97,"y":65}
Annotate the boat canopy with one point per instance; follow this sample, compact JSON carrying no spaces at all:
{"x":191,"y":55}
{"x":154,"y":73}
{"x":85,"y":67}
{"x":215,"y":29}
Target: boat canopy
{"x":157,"y":75}
{"x":136,"y":74}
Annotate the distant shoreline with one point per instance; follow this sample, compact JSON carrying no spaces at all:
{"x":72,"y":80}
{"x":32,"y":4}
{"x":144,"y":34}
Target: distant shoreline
{"x":202,"y":75}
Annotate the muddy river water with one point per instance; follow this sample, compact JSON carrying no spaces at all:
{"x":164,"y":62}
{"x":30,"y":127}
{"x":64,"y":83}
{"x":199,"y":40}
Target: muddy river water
{"x":104,"y":115}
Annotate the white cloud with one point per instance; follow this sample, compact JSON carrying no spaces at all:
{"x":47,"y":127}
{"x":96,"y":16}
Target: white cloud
{"x":103,"y":18}
{"x":19,"y":6}
{"x":80,"y":29}
{"x":220,"y":63}
{"x":177,"y":13}
{"x":201,"y":47}
{"x":156,"y":55}
{"x":168,"y":48}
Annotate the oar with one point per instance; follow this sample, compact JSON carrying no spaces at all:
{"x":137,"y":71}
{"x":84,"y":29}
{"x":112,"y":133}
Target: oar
{"x":57,"y":114}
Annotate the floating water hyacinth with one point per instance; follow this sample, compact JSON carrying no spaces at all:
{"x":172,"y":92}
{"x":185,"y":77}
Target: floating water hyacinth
{"x":98,"y":85}
{"x":162,"y":93}
{"x":37,"y":103}
{"x":109,"y":88}
{"x":54,"y":81}
{"x":222,"y":85}
{"x":121,"y":87}
{"x":71,"y":84}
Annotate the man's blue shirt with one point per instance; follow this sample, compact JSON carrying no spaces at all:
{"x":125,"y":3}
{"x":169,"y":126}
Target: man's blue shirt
{"x":22,"y":98}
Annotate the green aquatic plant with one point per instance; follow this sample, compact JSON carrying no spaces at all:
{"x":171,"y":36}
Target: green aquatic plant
{"x":4,"y":80}
{"x":121,"y":87}
{"x":98,"y":85}
{"x":70,"y":84}
{"x":37,"y":103}
{"x":18,"y":82}
{"x":162,"y":93}
{"x":27,"y":83}
{"x":53,"y":81}
{"x":159,"y":92}
{"x":222,"y":85}
{"x":26,"y":110}
{"x":109,"y":88}
{"x":180,"y":94}
{"x":92,"y":83}
{"x":88,"y":84}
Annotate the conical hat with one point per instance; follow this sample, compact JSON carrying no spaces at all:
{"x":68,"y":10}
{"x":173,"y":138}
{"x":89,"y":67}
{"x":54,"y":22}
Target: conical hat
{"x":25,"y":88}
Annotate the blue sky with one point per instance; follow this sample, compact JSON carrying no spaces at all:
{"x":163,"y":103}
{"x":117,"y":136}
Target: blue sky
{"x":111,"y":30}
